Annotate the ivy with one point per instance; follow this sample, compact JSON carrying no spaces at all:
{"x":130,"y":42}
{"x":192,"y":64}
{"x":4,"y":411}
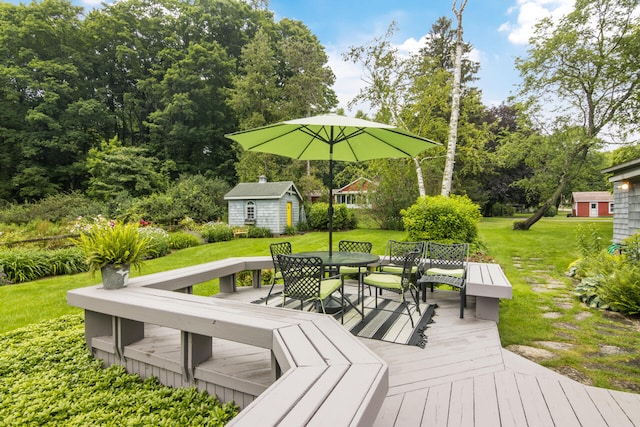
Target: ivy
{"x":48,"y":378}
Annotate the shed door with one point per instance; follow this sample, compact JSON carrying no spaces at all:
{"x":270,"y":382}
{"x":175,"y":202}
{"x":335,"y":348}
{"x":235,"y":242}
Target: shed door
{"x":289,"y":214}
{"x":593,"y":211}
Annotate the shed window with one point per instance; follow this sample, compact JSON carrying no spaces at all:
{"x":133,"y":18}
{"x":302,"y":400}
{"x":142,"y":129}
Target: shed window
{"x":251,"y":211}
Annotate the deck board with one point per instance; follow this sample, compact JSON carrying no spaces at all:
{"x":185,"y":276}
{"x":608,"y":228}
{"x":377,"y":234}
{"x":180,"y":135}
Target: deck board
{"x":465,"y":378}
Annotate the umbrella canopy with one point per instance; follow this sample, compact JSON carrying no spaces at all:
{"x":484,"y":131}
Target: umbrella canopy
{"x":332,"y":137}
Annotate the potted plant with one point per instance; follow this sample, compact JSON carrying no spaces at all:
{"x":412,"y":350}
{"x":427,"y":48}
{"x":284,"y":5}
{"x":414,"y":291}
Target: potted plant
{"x":113,"y":247}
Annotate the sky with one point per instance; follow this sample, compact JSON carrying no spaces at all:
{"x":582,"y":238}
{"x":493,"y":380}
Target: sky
{"x":498,"y":31}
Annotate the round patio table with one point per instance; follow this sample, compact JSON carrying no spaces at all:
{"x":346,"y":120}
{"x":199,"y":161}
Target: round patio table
{"x":338,"y":259}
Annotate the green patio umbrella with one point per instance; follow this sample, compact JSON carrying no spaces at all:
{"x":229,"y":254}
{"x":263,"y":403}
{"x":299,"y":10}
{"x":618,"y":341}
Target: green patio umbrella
{"x":332,"y":137}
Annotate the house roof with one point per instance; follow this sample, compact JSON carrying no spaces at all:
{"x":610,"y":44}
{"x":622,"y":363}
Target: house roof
{"x":624,"y":170}
{"x":261,"y":190}
{"x":360,"y":185}
{"x":591,"y":196}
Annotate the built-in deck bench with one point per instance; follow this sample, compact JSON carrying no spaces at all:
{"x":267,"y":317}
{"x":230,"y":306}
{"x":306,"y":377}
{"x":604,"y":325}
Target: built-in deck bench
{"x":317,"y":372}
{"x":488,"y":283}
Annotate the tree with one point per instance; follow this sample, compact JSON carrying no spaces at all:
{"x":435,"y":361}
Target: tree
{"x":585,"y":67}
{"x":455,"y":103}
{"x":118,"y":170}
{"x":388,"y":83}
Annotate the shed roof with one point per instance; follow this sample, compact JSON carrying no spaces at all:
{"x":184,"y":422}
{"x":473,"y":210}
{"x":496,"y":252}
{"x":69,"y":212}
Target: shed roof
{"x":592,"y":196}
{"x":261,"y":190}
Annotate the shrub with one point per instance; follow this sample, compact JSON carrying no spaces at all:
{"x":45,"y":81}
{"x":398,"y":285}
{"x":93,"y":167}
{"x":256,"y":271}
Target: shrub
{"x":183,"y":240}
{"x":452,"y":219}
{"x":196,"y":197}
{"x":258,"y":232}
{"x":589,"y":240}
{"x":622,"y":290}
{"x":49,"y":378}
{"x":551,"y":212}
{"x":343,"y":218}
{"x":158,"y":243}
{"x":56,"y":208}
{"x":501,"y":209}
{"x":25,"y":265}
{"x":216,"y":232}
{"x":290,"y":231}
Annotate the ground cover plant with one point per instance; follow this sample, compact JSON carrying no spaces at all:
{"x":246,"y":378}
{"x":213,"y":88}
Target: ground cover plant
{"x":48,"y":378}
{"x":592,"y":346}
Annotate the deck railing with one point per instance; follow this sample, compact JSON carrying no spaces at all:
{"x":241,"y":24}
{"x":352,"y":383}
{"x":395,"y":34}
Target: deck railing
{"x":319,"y":372}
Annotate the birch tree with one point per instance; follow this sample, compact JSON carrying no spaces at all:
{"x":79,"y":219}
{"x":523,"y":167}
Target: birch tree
{"x":447,"y":177}
{"x":387,"y":84}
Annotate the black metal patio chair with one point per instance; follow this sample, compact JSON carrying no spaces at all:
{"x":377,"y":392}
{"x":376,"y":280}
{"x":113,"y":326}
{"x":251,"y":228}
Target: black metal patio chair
{"x":277,"y":249}
{"x":446,"y":265}
{"x":398,"y":283}
{"x":347,"y":270}
{"x":303,"y":281}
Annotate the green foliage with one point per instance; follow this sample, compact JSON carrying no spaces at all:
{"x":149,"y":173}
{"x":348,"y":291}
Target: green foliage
{"x":343,"y":218}
{"x":258,"y":232}
{"x":112,"y":242}
{"x":589,"y":240}
{"x":48,"y":378}
{"x":396,"y":190}
{"x":182,"y":240}
{"x":551,"y":212}
{"x":290,"y":230}
{"x":216,"y":232}
{"x":196,"y":197}
{"x":158,"y":242}
{"x":25,"y":265}
{"x":501,"y":209}
{"x":56,"y":208}
{"x":622,"y":289}
{"x":589,"y":292}
{"x":452,"y":219}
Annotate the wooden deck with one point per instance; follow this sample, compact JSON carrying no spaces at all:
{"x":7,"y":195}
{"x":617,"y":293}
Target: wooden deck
{"x":465,"y":378}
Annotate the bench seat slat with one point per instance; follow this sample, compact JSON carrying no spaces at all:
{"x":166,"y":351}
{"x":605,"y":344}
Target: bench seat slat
{"x":272,"y":405}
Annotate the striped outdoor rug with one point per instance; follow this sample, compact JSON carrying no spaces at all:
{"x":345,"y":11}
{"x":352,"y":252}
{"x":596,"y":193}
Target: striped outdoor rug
{"x":389,"y":322}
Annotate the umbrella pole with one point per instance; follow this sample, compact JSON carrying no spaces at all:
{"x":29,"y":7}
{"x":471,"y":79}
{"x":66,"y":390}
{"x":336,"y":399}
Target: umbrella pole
{"x":330,"y":199}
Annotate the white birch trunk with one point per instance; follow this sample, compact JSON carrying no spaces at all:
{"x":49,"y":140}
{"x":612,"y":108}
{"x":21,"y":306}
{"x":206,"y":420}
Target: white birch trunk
{"x":421,"y":189}
{"x":447,"y":177}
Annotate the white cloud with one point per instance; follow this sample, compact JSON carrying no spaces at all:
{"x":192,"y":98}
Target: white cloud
{"x":530,"y":12}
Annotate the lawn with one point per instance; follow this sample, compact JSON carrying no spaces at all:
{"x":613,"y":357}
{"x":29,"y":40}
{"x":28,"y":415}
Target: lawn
{"x":535,"y":261}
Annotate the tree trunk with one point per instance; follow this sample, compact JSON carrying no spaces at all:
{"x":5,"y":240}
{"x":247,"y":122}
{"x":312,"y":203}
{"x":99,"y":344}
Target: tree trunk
{"x":447,"y":177}
{"x":421,"y":188}
{"x":576,"y":160}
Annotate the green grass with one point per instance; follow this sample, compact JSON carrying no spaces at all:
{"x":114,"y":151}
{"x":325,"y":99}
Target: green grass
{"x":530,"y":259}
{"x":45,"y":299}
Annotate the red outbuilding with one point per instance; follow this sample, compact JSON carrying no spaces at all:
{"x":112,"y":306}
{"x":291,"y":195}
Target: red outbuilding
{"x":591,"y":203}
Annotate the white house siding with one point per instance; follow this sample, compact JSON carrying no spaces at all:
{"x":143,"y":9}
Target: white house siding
{"x":634,"y":210}
{"x":236,"y":212}
{"x":626,"y":206}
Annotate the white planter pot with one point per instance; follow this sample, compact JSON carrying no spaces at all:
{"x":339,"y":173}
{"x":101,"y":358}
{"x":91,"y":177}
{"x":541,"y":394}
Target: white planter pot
{"x":115,"y":277}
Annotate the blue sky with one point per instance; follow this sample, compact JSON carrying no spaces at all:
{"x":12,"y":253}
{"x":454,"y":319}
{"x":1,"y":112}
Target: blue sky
{"x":497,"y":29}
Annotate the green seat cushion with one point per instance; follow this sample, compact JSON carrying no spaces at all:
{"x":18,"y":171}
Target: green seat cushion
{"x":352,"y":270}
{"x":396,"y":269}
{"x":387,"y":281}
{"x":329,"y":286}
{"x":459,"y":272}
